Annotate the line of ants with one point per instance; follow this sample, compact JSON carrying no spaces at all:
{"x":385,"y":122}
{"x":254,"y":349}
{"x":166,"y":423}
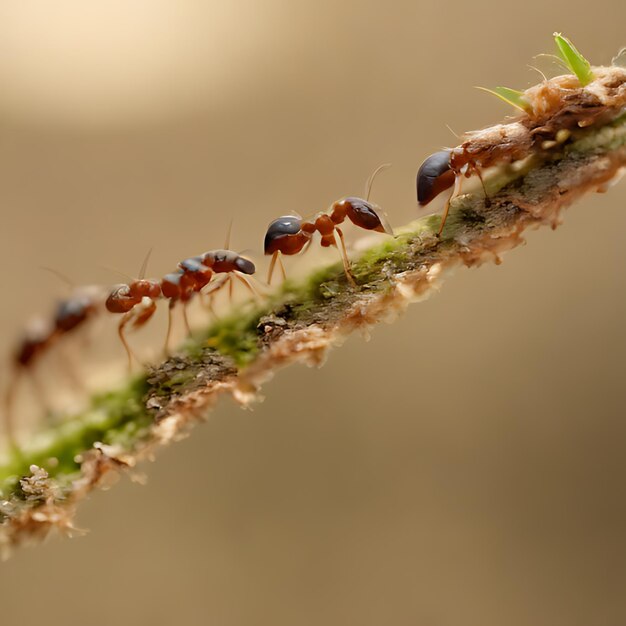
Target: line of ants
{"x":206,"y":274}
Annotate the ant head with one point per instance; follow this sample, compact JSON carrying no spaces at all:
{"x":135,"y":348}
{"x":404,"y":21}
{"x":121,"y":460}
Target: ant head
{"x":366,"y":215}
{"x":279,"y":231}
{"x":434,"y":176}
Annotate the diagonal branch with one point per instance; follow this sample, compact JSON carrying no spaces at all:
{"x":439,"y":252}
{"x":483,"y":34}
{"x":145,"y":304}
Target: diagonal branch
{"x":41,"y":485}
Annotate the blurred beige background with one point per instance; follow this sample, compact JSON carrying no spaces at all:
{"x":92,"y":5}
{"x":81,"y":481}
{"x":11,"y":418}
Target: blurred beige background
{"x":466,"y":466}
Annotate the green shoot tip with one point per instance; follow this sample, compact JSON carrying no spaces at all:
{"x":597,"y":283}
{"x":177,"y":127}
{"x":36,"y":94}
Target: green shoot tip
{"x":575,"y":61}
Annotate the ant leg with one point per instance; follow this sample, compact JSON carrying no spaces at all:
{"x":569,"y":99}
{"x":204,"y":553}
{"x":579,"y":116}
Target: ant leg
{"x":478,"y":173}
{"x":168,"y":334}
{"x":9,"y":402}
{"x":213,"y":287}
{"x":249,"y":285}
{"x":217,"y":286}
{"x":455,"y":192}
{"x":209,"y":301}
{"x":229,"y":280}
{"x":70,"y":370}
{"x":120,"y":331}
{"x":272,"y":264}
{"x":282,"y":267}
{"x":186,"y":318}
{"x":276,"y":257}
{"x":146,"y":310}
{"x":40,"y":393}
{"x":344,"y":258}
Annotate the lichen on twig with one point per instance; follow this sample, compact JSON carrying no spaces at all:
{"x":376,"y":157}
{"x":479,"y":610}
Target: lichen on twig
{"x":40,"y":485}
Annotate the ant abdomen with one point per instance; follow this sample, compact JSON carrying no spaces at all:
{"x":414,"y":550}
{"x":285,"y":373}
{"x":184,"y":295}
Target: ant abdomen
{"x":225,"y":261}
{"x":434,"y":176}
{"x":366,"y":215}
{"x":31,"y":345}
{"x":285,"y":235}
{"x":245,"y":266}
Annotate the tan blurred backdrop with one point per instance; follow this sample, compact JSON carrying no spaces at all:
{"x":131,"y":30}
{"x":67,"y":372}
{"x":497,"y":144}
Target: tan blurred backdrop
{"x":465,"y":466}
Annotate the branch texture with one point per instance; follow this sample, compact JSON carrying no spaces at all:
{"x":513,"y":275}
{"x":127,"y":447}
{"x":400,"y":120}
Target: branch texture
{"x":41,"y":485}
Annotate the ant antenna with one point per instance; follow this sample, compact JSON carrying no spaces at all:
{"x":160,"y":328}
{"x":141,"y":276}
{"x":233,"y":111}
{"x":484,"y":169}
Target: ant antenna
{"x":144,"y":265}
{"x":370,"y":180}
{"x":452,"y":131}
{"x":116,"y":271}
{"x":228,"y":233}
{"x":62,"y":277}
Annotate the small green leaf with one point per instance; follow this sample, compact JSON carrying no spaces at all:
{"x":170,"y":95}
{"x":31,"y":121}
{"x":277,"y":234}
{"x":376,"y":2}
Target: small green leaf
{"x":575,"y":61}
{"x":510,"y":96}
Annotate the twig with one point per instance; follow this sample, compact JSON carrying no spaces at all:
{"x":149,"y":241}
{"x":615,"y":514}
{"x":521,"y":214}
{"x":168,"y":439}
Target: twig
{"x":41,"y":485}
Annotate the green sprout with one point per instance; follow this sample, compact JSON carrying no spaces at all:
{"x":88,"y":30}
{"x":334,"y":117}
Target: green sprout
{"x":575,"y":61}
{"x":510,"y":96}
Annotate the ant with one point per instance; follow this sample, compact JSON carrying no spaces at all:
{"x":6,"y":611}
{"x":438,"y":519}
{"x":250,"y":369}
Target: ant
{"x":198,"y":271}
{"x":180,"y":286}
{"x":71,"y":314}
{"x":498,"y":145}
{"x":443,"y":170}
{"x":230,"y":263}
{"x":290,"y":234}
{"x":136,"y":301}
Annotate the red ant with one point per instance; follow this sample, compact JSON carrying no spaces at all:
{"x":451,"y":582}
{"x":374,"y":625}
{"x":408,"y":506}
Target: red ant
{"x":197,"y":272}
{"x":290,"y":235}
{"x":230,"y":263}
{"x":136,"y":301}
{"x":443,"y":170}
{"x":498,"y":145}
{"x":180,"y":286}
{"x":71,"y":314}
